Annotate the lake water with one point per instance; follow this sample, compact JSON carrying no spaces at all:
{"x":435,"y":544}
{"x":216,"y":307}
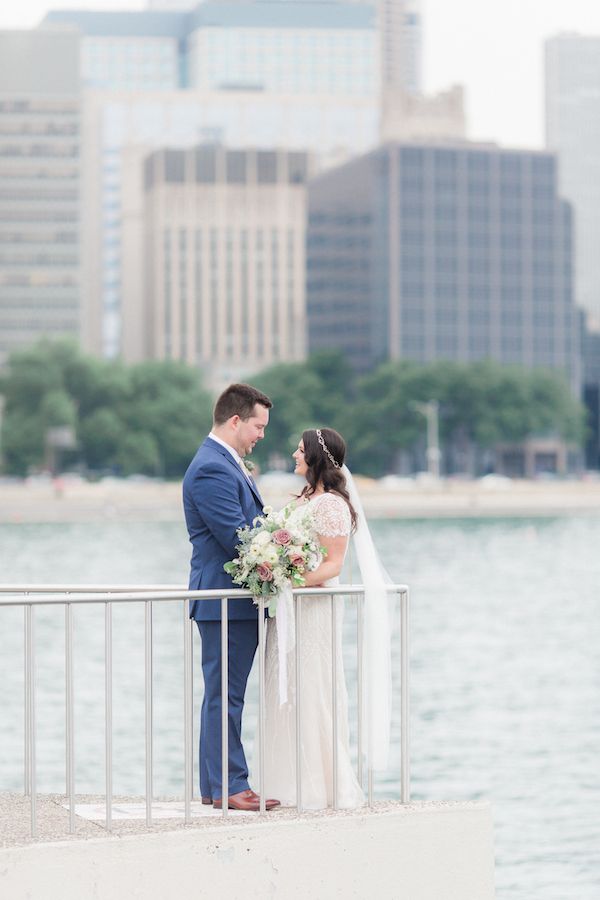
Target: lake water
{"x":505,"y":683}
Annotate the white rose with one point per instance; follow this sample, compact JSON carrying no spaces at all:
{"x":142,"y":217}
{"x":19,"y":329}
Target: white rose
{"x":270,"y":554}
{"x":262,"y":539}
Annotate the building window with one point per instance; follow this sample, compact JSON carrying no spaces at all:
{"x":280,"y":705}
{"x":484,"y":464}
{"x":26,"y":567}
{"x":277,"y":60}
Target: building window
{"x":266,"y":167}
{"x":174,"y":165}
{"x":235,"y":162}
{"x":206,"y":165}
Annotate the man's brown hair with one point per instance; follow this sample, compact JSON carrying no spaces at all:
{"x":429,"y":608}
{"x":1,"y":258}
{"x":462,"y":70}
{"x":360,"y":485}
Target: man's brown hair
{"x":238,"y":400}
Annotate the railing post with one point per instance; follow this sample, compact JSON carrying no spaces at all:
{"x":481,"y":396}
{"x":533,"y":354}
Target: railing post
{"x":31,"y":756}
{"x":27,"y":701}
{"x":224,"y":708}
{"x":108,"y":728}
{"x":149,"y":710}
{"x":187,"y":712}
{"x":334,"y":723}
{"x":70,"y":715}
{"x":261,"y":705}
{"x":359,"y":686}
{"x":405,"y":698}
{"x":298,"y":704}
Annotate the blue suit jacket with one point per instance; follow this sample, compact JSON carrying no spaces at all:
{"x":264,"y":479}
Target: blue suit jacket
{"x":217,"y":500}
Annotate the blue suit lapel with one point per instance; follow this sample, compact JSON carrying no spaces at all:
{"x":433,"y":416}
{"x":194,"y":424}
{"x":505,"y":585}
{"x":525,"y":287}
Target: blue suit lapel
{"x":249,"y":482}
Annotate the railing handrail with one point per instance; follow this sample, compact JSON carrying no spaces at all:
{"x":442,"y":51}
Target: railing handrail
{"x":29,"y":596}
{"x":39,"y":595}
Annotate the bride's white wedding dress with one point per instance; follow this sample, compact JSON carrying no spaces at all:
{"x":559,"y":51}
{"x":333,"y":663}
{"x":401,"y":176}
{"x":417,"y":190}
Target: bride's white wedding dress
{"x":332,"y":519}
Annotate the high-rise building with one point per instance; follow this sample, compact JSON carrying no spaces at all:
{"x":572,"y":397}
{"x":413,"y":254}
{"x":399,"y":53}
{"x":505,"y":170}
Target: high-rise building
{"x":400,"y":40}
{"x":121,"y":129}
{"x":406,"y":112}
{"x":431,"y":252}
{"x":223,"y":283}
{"x":40,"y":279}
{"x":296,"y":75}
{"x":573,"y":132}
{"x":281,"y":46}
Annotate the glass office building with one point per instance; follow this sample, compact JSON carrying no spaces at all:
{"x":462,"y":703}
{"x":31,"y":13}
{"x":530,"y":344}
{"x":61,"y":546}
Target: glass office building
{"x":573,"y":133}
{"x":287,"y":47}
{"x":431,"y":252}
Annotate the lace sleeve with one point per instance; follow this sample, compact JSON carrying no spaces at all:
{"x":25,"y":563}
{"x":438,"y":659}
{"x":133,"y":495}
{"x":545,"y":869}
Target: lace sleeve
{"x":332,"y":516}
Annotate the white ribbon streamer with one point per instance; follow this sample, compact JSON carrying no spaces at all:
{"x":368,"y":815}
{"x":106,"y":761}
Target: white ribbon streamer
{"x":286,"y":637}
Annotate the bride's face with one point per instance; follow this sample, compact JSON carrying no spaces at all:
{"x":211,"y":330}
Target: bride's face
{"x":298,"y":456}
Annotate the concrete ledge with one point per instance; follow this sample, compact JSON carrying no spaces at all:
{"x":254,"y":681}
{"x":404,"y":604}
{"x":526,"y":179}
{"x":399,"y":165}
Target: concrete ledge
{"x":123,"y":501}
{"x":422,"y":851}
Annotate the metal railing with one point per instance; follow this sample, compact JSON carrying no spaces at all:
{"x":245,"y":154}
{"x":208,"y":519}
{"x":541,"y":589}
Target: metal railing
{"x":30,"y":597}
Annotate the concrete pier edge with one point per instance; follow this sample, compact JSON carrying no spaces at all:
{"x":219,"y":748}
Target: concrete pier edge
{"x":418,"y":851}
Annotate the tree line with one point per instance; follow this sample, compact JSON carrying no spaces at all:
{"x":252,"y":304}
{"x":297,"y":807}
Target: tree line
{"x":149,"y":418}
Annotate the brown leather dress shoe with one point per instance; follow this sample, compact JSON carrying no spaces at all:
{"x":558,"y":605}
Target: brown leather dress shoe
{"x":206,"y":801}
{"x":247,"y":801}
{"x":269,"y":804}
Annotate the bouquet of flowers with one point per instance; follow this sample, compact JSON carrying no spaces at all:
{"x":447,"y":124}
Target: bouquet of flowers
{"x":275,"y":552}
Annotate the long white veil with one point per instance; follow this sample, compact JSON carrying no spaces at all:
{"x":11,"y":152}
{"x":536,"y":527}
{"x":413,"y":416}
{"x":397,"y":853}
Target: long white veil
{"x":377,"y":635}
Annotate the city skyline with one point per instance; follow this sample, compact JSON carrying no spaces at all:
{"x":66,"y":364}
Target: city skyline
{"x":492,"y":56}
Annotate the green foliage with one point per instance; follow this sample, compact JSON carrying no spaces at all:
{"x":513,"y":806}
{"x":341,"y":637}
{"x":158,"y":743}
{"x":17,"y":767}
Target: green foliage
{"x":305,"y":395}
{"x":480,"y":405}
{"x":150,"y":418}
{"x":147,"y":418}
{"x":293,"y":388}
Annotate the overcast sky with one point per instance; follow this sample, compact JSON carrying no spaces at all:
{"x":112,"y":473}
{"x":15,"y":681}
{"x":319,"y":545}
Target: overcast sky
{"x":492,"y":47}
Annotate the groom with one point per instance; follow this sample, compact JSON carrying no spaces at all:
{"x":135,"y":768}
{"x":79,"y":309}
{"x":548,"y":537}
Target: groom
{"x":219,"y":496}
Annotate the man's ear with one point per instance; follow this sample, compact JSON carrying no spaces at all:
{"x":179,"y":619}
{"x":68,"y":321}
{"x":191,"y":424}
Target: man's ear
{"x":234,"y":421}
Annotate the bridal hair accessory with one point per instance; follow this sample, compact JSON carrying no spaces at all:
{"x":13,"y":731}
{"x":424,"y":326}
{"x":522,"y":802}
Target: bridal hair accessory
{"x":326,"y":448}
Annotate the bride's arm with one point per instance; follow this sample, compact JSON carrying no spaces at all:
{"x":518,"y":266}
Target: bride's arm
{"x":333,"y":562}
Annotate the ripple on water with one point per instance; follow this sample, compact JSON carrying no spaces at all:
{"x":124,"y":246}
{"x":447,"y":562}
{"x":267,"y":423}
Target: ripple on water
{"x":505,"y":676}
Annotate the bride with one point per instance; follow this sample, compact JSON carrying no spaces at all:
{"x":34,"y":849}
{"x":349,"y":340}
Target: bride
{"x":319,"y":459}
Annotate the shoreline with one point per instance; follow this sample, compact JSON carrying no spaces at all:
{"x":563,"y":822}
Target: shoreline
{"x":123,"y":501}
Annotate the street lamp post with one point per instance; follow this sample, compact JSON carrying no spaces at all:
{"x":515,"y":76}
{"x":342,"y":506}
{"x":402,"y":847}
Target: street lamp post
{"x":431,"y":411}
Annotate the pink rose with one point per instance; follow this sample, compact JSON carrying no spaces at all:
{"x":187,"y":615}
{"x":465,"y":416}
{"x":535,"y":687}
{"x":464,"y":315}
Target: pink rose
{"x":297,"y":560}
{"x":282,"y":537}
{"x":264,"y":572}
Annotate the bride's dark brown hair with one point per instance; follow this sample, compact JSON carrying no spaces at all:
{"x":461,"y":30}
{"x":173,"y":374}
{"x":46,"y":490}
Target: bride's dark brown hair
{"x":323,"y":469}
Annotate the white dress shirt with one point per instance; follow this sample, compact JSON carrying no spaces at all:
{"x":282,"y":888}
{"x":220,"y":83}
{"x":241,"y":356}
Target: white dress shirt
{"x":233,"y":452}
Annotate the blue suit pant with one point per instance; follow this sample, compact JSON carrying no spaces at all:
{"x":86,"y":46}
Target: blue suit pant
{"x":243,"y":641}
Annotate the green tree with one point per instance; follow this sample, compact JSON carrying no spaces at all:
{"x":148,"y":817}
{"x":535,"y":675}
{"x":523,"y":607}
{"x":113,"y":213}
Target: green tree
{"x":294,"y":390}
{"x":161,"y":406}
{"x":100,"y":437}
{"x":481,"y":404}
{"x":167,"y":403}
{"x":384,"y":418}
{"x":138,"y":453}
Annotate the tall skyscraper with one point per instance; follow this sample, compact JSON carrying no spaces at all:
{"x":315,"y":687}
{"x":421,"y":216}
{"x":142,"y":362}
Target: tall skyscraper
{"x":277,"y":73}
{"x":431,"y":252}
{"x":573,"y":132}
{"x":406,"y":112}
{"x":280,"y":46}
{"x":222,"y":279}
{"x":40,"y":279}
{"x":401,"y":39}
